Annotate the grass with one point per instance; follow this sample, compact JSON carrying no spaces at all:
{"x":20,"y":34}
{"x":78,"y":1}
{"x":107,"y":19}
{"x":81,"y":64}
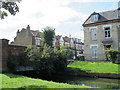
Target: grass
{"x":18,"y":81}
{"x":98,"y":67}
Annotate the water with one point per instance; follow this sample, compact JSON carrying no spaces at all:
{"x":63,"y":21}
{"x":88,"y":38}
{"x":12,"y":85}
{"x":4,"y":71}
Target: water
{"x":79,"y":80}
{"x":88,"y":81}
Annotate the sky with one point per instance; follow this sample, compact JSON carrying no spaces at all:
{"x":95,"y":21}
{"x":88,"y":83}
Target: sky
{"x":66,"y":16}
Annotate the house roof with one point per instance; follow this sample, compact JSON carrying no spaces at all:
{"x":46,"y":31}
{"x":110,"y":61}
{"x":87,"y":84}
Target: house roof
{"x":34,"y":33}
{"x":103,"y":16}
{"x":66,"y":39}
{"x":58,"y":37}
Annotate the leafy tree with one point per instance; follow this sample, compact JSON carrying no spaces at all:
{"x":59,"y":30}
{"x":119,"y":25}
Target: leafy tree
{"x":46,"y":59}
{"x":48,"y":35}
{"x":10,"y":6}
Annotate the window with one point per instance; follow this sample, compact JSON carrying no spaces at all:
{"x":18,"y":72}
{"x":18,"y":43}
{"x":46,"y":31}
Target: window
{"x":93,"y":33}
{"x":94,"y":49}
{"x":107,"y":32}
{"x":94,"y":18}
{"x":118,"y":13}
{"x":119,"y":44}
{"x":107,"y":47}
{"x":37,"y":41}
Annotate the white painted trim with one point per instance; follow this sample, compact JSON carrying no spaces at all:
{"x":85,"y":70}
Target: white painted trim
{"x":104,"y":26}
{"x":119,"y":44}
{"x":93,"y":28}
{"x":109,"y":25}
{"x":93,"y":45}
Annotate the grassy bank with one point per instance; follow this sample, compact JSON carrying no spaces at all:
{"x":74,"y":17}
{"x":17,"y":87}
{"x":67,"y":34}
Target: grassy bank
{"x":99,"y":67}
{"x":18,"y":81}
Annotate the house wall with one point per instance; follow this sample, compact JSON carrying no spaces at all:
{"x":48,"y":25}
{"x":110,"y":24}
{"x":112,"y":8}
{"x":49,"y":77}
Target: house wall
{"x":24,"y":38}
{"x":4,"y":54}
{"x":100,"y":37}
{"x":119,"y":36}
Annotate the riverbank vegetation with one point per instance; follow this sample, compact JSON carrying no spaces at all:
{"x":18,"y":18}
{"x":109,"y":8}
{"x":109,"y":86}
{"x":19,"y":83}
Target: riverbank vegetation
{"x":18,"y":81}
{"x":98,"y":67}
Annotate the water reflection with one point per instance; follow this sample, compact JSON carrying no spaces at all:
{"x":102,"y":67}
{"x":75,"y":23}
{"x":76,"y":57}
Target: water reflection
{"x":89,"y":81}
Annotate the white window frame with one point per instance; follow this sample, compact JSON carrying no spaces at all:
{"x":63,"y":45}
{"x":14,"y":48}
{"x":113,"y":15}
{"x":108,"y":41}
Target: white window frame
{"x":95,"y":53}
{"x":94,"y":18}
{"x":119,"y":44}
{"x":37,"y":41}
{"x":107,"y":26}
{"x":91,"y":29}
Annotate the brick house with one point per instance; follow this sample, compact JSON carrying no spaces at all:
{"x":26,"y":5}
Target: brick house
{"x":101,"y":32}
{"x":27,"y":37}
{"x":71,"y":43}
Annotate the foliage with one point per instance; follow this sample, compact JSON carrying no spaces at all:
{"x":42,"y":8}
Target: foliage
{"x":18,"y":81}
{"x":99,"y":67}
{"x":48,"y":35}
{"x":14,"y":61}
{"x":66,"y":52}
{"x":48,"y":60}
{"x":10,"y":6}
{"x":112,"y":54}
{"x":33,"y":53}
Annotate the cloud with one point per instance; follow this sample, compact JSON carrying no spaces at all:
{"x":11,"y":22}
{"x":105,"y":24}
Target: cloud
{"x":96,"y":0}
{"x":41,"y":13}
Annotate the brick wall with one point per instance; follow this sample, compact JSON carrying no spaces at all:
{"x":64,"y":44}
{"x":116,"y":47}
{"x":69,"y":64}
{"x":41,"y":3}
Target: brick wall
{"x":6,"y":51}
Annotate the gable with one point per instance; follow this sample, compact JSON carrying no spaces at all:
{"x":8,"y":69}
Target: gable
{"x":102,"y":17}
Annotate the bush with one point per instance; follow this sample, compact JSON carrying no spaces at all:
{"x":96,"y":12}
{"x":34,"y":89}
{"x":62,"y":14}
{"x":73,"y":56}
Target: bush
{"x":48,"y":60}
{"x":112,"y":55}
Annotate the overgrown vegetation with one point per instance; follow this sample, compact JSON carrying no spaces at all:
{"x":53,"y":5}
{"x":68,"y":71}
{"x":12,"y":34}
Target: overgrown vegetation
{"x":98,"y":67}
{"x":112,"y":55}
{"x":18,"y":81}
{"x":48,"y":60}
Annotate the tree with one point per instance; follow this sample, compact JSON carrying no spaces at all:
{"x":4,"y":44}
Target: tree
{"x":47,"y":60}
{"x":48,"y":35}
{"x":10,"y":6}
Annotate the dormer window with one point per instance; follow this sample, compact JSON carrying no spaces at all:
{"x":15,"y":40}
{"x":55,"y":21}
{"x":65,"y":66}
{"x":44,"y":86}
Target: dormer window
{"x":94,"y":18}
{"x":118,"y":13}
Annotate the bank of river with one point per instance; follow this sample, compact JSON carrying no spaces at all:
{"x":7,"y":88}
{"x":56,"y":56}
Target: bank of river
{"x":79,"y":80}
{"x":88,"y":81}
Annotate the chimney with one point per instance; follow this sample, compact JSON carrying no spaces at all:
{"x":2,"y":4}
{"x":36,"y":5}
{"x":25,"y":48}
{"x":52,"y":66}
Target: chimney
{"x":18,"y":31}
{"x":28,"y":27}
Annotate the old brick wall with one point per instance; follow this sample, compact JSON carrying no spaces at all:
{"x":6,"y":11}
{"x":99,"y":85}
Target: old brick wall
{"x":7,"y":51}
{"x":4,"y":54}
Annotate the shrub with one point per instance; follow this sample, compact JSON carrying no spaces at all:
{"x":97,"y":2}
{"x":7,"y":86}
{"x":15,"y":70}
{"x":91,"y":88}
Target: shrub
{"x":48,"y":60}
{"x":112,"y":55}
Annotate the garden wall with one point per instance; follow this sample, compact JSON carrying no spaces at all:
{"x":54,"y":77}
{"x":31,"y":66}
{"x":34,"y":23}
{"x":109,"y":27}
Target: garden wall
{"x":7,"y":50}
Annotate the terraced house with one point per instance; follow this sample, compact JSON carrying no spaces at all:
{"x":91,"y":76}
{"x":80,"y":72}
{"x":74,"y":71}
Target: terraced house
{"x":27,"y":37}
{"x":101,"y":32}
